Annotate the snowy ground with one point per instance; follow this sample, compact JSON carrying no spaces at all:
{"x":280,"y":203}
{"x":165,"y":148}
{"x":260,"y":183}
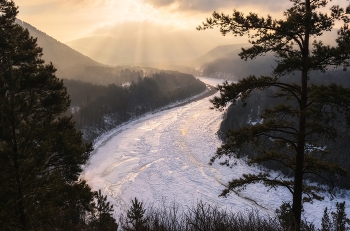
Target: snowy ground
{"x":164,"y":157}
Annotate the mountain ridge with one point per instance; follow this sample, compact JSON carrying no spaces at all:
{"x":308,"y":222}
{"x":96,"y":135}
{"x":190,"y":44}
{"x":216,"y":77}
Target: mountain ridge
{"x":218,"y":52}
{"x":61,"y":55}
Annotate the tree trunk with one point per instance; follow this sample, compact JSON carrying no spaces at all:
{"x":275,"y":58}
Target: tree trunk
{"x":299,"y":161}
{"x":19,"y":204}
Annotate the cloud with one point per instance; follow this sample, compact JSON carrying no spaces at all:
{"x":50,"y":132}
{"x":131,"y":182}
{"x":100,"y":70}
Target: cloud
{"x":211,"y":5}
{"x":82,"y":2}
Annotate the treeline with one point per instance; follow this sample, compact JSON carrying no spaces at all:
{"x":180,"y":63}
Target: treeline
{"x":249,"y":112}
{"x":98,"y":108}
{"x":104,"y":75}
{"x":140,"y":217}
{"x":232,"y":65}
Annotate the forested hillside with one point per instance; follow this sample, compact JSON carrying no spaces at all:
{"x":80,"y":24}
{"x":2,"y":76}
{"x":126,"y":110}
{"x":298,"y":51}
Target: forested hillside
{"x":232,"y":67}
{"x":104,"y":96}
{"x":104,"y":75}
{"x":71,"y":64}
{"x":98,"y":108}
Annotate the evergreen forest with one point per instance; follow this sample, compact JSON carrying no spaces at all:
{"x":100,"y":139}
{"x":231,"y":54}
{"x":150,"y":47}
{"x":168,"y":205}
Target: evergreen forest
{"x":99,"y":108}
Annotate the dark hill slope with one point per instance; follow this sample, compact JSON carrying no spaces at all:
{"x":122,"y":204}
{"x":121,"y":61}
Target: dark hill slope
{"x":61,"y":55}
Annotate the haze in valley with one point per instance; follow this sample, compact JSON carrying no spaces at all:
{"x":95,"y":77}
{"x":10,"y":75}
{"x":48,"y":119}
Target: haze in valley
{"x":138,"y":32}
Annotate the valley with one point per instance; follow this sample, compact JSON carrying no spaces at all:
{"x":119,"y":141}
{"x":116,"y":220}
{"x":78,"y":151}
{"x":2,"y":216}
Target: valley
{"x":174,"y":115}
{"x":163,"y":157}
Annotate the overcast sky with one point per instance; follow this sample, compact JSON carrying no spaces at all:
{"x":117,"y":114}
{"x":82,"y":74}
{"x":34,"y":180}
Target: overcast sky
{"x":67,"y":20}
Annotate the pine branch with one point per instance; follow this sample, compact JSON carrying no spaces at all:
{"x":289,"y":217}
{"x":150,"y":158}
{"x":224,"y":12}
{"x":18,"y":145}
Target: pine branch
{"x":241,"y":183}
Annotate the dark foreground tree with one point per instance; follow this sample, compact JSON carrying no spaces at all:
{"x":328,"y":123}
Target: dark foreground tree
{"x":290,"y":133}
{"x":136,"y":220}
{"x":41,"y":153}
{"x":101,"y":218}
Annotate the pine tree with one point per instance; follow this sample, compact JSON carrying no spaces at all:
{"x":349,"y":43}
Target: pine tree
{"x":326,"y":223}
{"x":290,"y":133}
{"x":102,"y":220}
{"x":136,"y":220}
{"x":340,"y":221}
{"x":41,"y":152}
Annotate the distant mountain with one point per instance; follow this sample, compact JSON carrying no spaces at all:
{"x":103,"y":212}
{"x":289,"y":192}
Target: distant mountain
{"x":61,"y":55}
{"x":218,"y":53}
{"x":224,"y":62}
{"x":234,"y":68}
{"x":71,"y":64}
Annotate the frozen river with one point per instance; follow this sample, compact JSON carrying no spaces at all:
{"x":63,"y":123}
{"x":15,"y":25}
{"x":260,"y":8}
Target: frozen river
{"x":164,"y":157}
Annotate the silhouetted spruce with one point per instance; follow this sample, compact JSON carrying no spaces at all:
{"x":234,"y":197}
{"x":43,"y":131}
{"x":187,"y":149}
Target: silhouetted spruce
{"x":41,"y":152}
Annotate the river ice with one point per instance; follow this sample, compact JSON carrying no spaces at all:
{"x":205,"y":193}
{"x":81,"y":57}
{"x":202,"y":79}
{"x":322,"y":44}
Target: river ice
{"x":164,"y":157}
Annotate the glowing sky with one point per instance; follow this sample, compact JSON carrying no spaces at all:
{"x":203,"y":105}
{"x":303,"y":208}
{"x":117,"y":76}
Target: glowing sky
{"x":67,"y":20}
